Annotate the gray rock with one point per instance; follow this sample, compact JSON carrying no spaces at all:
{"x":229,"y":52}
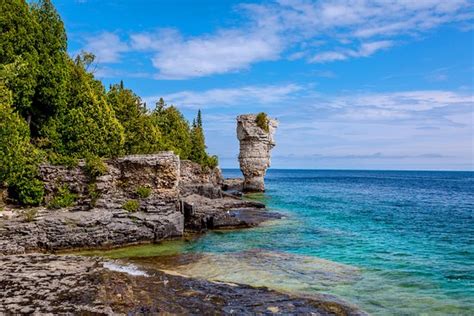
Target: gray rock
{"x":255,"y":146}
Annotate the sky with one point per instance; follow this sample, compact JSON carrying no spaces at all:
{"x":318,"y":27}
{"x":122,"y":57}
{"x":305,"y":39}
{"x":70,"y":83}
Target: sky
{"x":354,"y":84}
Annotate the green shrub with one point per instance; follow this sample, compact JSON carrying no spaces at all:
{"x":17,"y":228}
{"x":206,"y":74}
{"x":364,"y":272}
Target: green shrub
{"x":131,"y":205}
{"x":30,"y":214}
{"x":211,"y":162}
{"x":95,"y":167}
{"x":93,"y":193}
{"x":63,"y":198}
{"x":28,"y":191}
{"x":262,"y":121}
{"x":19,"y":159}
{"x":143,"y":192}
{"x":62,"y":160}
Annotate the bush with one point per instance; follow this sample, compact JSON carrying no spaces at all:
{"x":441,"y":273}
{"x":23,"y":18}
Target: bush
{"x":28,"y":191}
{"x":143,"y":192}
{"x":93,"y":193}
{"x":62,"y":160}
{"x":95,"y":167}
{"x":63,"y":198}
{"x":211,"y":162}
{"x":19,"y":159}
{"x":131,"y":205}
{"x":30,"y":214}
{"x":262,"y":121}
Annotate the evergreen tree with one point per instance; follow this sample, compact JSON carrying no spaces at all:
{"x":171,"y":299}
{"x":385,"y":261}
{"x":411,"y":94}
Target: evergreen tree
{"x":174,"y":129}
{"x":18,"y":40}
{"x":198,"y":147}
{"x":18,"y":158}
{"x":50,"y":93}
{"x":141,"y":135}
{"x":88,"y":125}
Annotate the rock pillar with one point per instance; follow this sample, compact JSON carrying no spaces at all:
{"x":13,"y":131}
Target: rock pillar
{"x":256,"y":141}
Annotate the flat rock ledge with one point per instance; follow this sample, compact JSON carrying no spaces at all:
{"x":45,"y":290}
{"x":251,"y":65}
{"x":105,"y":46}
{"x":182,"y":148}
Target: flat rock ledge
{"x":51,"y":285}
{"x":103,"y":228}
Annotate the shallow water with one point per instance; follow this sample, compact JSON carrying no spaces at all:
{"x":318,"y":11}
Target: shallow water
{"x":389,"y":242}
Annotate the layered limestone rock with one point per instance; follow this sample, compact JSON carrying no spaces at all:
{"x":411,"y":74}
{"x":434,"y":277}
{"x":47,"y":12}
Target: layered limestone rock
{"x":179,"y":195}
{"x":255,"y":146}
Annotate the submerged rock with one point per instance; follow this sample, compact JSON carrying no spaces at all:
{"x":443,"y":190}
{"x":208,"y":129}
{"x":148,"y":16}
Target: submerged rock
{"x":255,"y":146}
{"x":49,"y":284}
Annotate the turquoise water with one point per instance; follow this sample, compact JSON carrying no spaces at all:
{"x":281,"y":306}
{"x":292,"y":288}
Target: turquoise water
{"x":411,"y":234}
{"x":390,"y":242}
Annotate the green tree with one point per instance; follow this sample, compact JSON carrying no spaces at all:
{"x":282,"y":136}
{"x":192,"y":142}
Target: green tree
{"x":51,"y":83}
{"x":174,"y":128}
{"x":19,"y":160}
{"x":198,"y":143}
{"x":141,"y":135}
{"x":88,"y":125}
{"x":18,"y":39}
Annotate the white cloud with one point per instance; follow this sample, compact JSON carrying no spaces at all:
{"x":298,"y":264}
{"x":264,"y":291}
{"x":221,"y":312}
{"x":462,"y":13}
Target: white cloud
{"x":365,"y":50}
{"x":106,"y":46}
{"x":223,"y":52}
{"x":343,"y":29}
{"x":231,"y":96}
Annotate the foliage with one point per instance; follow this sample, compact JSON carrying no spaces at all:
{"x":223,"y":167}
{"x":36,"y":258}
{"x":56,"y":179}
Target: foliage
{"x":18,"y":39}
{"x":88,"y":125}
{"x":95,"y":167}
{"x":19,"y":159}
{"x":30,"y":214}
{"x":141,"y":135}
{"x":211,"y":162}
{"x":94,"y":194}
{"x":63,"y":198}
{"x":33,"y":41}
{"x":174,"y":129}
{"x":52,"y":107}
{"x":262,"y":121}
{"x":143,"y":192}
{"x":61,"y":160}
{"x":52,"y":79}
{"x":131,"y":205}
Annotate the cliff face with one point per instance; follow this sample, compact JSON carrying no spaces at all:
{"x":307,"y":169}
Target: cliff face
{"x":180,"y":195}
{"x":255,"y":146}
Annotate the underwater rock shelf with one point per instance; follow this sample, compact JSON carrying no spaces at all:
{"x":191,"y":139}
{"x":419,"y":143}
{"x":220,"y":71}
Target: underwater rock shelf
{"x":50,"y":284}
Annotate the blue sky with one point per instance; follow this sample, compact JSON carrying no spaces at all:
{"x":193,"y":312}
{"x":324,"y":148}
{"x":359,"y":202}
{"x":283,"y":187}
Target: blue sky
{"x":355,"y":84}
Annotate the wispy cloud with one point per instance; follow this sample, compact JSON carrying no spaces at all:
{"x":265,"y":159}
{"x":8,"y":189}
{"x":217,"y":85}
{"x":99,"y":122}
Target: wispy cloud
{"x":365,"y":50}
{"x":342,"y":29}
{"x":106,"y":46}
{"x":231,"y":96}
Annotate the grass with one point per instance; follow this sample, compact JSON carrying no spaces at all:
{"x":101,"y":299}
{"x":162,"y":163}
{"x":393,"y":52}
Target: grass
{"x":143,"y":192}
{"x":131,"y":205}
{"x":63,"y":198}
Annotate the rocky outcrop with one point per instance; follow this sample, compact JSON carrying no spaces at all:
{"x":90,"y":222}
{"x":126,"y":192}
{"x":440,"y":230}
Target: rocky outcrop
{"x":255,"y":146}
{"x":196,"y":179}
{"x":179,"y":195}
{"x":202,"y":213}
{"x":158,"y":173}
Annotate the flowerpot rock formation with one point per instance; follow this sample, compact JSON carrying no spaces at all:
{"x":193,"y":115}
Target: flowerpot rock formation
{"x":255,"y":145}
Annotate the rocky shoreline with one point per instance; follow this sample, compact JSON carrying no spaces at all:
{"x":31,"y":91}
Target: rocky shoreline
{"x":183,"y":197}
{"x":51,"y":284}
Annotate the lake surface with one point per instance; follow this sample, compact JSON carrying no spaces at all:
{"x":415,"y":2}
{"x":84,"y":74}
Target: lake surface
{"x":390,"y":242}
